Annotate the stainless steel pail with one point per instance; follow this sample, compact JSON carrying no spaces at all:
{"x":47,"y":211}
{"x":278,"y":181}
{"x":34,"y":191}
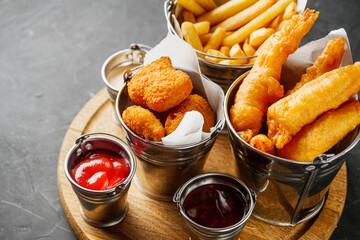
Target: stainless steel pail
{"x":289,"y":192}
{"x":223,"y":75}
{"x":201,"y":232}
{"x":119,"y":62}
{"x":107,"y":207}
{"x":162,"y":169}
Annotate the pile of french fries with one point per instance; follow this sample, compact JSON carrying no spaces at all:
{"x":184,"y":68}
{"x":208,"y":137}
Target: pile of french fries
{"x":235,"y":29}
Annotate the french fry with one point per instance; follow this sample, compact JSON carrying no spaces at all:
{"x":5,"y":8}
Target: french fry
{"x":248,"y":50}
{"x":241,"y":34}
{"x":191,"y":36}
{"x":225,"y":11}
{"x":275,"y":23}
{"x":259,"y":36}
{"x":202,"y":27}
{"x":233,"y":62}
{"x":281,"y":25}
{"x":188,"y":16}
{"x":225,"y":50}
{"x":205,"y":38}
{"x":208,"y":5}
{"x":215,"y":39}
{"x":192,"y":6}
{"x":236,"y":51}
{"x":244,"y":16}
{"x":214,"y":53}
{"x":290,"y":11}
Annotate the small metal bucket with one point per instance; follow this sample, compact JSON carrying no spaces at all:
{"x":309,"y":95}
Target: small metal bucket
{"x":117,"y":63}
{"x":200,"y":232}
{"x":108,"y":207}
{"x":223,"y":75}
{"x":289,"y":192}
{"x":162,"y":169}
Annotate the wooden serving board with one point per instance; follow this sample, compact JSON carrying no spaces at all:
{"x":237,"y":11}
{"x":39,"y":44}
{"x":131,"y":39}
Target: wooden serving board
{"x":150,"y":219}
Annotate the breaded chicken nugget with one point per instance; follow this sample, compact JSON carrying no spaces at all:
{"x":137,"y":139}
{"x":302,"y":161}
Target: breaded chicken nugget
{"x":321,"y":135}
{"x":159,"y":86}
{"x":143,"y":123}
{"x":193,"y":102}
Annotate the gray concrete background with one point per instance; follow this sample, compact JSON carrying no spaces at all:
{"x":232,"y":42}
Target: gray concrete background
{"x":51,"y":53}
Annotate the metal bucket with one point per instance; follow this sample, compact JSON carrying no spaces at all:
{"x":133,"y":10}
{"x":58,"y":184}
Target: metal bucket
{"x":223,"y":75}
{"x":117,"y":63}
{"x":162,"y":169}
{"x":200,"y":232}
{"x":289,"y":192}
{"x":107,"y":207}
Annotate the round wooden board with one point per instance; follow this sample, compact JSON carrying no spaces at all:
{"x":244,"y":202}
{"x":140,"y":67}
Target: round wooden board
{"x":150,"y":219}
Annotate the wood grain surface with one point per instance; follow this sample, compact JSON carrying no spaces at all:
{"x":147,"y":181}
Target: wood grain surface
{"x":150,"y":219}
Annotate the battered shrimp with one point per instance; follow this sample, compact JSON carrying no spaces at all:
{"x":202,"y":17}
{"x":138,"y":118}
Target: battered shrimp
{"x":287,"y":116}
{"x":329,"y":59}
{"x":263,"y":143}
{"x":261,"y":86}
{"x":321,"y":135}
{"x":143,"y":123}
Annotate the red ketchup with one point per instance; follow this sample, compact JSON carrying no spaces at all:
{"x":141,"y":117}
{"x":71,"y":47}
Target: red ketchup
{"x":215,"y":206}
{"x":100,"y":170}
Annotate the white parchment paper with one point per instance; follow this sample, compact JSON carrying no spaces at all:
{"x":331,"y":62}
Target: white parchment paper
{"x":183,"y":57}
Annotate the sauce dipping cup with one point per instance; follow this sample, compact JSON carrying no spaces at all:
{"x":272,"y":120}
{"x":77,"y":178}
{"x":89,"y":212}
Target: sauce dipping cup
{"x":202,"y":232}
{"x":112,"y":70}
{"x":101,"y":208}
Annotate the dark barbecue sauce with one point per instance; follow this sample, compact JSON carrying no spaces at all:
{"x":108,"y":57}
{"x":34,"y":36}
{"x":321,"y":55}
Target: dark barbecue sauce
{"x":215,"y":206}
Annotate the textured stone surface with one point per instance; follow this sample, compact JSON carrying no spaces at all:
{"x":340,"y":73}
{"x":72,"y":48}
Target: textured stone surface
{"x":51,"y":53}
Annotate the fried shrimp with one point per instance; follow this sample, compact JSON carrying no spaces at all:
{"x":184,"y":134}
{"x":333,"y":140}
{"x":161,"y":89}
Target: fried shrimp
{"x":321,"y":135}
{"x":287,"y":116}
{"x":329,"y":59}
{"x":263,"y":143}
{"x":143,"y":123}
{"x":193,"y":102}
{"x":159,"y":86}
{"x":261,"y":86}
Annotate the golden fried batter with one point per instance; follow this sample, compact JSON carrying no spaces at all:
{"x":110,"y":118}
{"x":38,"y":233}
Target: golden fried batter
{"x":287,"y":116}
{"x":321,"y":135}
{"x":193,"y":102}
{"x":143,"y":123}
{"x":263,"y":143}
{"x":261,"y":86}
{"x":329,"y":59}
{"x":159,"y":86}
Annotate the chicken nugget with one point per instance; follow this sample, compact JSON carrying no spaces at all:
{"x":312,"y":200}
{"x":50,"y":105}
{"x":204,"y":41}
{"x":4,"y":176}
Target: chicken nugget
{"x":143,"y":123}
{"x":159,"y":86}
{"x":321,"y":135}
{"x":193,"y":102}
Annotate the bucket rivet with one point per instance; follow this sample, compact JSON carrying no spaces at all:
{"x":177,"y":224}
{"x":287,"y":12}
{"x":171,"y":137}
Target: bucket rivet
{"x":78,"y":152}
{"x":88,"y":146}
{"x":310,"y":168}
